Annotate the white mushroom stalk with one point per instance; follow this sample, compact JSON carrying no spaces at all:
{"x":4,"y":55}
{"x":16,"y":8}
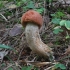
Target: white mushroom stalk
{"x":34,"y":41}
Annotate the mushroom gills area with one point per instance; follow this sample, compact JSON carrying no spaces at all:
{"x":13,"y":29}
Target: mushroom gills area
{"x":34,"y":41}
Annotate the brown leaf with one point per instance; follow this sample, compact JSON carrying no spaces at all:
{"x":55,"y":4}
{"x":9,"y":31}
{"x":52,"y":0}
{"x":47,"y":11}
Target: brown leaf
{"x":68,"y":50}
{"x":16,"y":30}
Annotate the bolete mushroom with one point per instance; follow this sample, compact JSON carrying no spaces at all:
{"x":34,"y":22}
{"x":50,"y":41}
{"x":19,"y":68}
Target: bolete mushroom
{"x":32,"y":21}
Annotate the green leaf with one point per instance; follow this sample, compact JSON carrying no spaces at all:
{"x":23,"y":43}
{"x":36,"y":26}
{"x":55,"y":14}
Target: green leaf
{"x":3,"y":65}
{"x":59,"y":14}
{"x":24,"y":0}
{"x":50,"y":1}
{"x":40,"y":10}
{"x":67,"y":25}
{"x":56,"y":21}
{"x":35,"y":68}
{"x":57,"y":30}
{"x":61,"y":66}
{"x":53,"y":15}
{"x":5,"y":46}
{"x":67,"y":37}
{"x":31,"y":5}
{"x":27,"y":67}
{"x":1,"y":5}
{"x":18,"y":4}
{"x":62,"y":22}
{"x":10,"y":68}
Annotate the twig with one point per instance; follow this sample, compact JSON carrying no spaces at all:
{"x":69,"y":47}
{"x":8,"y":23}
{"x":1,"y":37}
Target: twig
{"x":19,"y":55}
{"x":45,"y":8}
{"x":4,"y":17}
{"x":49,"y":67}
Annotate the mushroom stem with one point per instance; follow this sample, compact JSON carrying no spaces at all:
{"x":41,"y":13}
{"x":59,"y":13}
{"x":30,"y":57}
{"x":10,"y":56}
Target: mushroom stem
{"x":34,"y":41}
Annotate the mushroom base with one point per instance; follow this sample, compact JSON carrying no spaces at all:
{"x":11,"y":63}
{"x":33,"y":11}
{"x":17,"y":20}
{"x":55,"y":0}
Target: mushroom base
{"x":34,"y":41}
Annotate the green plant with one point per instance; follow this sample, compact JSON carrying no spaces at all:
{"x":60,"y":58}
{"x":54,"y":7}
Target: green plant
{"x":40,"y":10}
{"x":19,"y":3}
{"x":68,"y":9}
{"x":10,"y":68}
{"x":65,"y":23}
{"x":57,"y":30}
{"x":8,"y":13}
{"x":1,"y":5}
{"x":58,"y":14}
{"x":59,"y":66}
{"x":29,"y":68}
{"x":59,"y":24}
{"x":30,"y":5}
{"x":5,"y":46}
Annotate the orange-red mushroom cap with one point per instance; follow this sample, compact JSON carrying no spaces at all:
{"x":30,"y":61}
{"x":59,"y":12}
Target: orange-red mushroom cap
{"x":32,"y":16}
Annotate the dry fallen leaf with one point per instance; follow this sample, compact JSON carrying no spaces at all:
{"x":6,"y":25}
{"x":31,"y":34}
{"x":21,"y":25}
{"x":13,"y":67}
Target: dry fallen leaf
{"x":12,"y":6}
{"x":2,"y":54}
{"x":16,"y":30}
{"x":67,"y":50}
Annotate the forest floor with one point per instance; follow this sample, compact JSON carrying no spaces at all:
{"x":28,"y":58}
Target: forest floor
{"x":12,"y":34}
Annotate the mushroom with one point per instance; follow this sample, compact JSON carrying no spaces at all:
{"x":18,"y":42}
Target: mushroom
{"x":32,"y":21}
